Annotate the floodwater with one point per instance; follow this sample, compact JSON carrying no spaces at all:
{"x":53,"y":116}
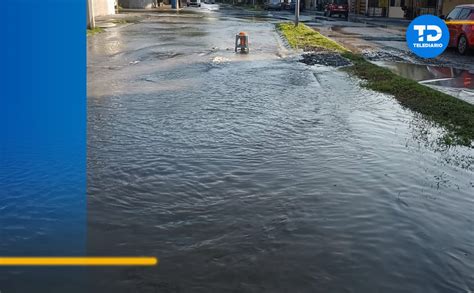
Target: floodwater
{"x":257,"y":173}
{"x":453,"y":81}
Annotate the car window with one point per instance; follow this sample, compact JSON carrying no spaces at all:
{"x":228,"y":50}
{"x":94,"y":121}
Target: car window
{"x":464,"y":14}
{"x":453,"y":14}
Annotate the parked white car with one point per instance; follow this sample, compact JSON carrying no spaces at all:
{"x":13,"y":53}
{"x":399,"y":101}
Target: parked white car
{"x":195,"y":3}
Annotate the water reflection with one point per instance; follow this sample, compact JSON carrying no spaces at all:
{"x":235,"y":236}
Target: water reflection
{"x":441,"y":76}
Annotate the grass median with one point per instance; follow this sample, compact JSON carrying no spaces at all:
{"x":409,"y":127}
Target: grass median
{"x":304,"y":37}
{"x":455,"y":115}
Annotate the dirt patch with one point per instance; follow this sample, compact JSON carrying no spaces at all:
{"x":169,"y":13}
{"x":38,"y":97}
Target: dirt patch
{"x":381,"y":56}
{"x":340,"y":30}
{"x":351,"y":41}
{"x":326,"y":59}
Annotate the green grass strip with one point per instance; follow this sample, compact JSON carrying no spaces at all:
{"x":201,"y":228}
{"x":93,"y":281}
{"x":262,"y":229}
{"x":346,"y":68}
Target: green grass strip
{"x":304,"y":37}
{"x":94,"y":31}
{"x":455,"y":115}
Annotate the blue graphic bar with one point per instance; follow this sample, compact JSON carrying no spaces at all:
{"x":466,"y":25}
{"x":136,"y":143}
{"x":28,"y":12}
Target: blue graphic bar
{"x":43,"y":129}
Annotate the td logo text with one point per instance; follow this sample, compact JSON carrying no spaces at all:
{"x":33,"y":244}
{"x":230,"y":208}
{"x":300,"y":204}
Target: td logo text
{"x":429,"y":37}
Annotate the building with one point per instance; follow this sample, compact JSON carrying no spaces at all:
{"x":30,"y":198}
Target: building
{"x":103,"y":7}
{"x":402,"y":8}
{"x":98,"y":8}
{"x":142,"y":4}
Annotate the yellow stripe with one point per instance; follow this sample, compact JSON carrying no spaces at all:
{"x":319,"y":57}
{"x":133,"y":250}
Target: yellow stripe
{"x":460,"y":22}
{"x":78,"y":261}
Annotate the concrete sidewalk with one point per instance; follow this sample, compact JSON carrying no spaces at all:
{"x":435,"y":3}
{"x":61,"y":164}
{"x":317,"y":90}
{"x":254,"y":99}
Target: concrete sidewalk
{"x":380,"y":21}
{"x":383,"y":21}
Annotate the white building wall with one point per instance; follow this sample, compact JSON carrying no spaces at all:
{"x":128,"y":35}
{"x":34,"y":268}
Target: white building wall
{"x":104,"y":7}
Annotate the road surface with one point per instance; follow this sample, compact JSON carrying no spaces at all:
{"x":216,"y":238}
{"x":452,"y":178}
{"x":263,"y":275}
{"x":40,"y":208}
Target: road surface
{"x":258,"y":173}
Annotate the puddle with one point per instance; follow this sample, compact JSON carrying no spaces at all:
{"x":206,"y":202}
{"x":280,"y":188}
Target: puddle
{"x":432,"y":75}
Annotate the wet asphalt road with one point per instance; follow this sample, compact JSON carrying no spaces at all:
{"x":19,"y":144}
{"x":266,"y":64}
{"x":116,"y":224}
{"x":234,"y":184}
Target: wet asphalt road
{"x":258,"y":173}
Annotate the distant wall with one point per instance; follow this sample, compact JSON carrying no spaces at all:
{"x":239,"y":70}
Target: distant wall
{"x":104,"y":7}
{"x":141,"y":4}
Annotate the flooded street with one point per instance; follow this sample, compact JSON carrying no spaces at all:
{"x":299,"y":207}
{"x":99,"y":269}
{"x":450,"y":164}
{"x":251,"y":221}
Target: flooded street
{"x":258,"y":173}
{"x":385,"y":45}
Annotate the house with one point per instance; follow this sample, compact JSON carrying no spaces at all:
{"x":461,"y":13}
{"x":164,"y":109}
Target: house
{"x":398,"y":8}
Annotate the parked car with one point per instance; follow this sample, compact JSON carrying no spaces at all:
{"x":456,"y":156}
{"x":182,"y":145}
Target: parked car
{"x":272,"y":5}
{"x":196,"y":3}
{"x":337,"y":7}
{"x":461,"y":36}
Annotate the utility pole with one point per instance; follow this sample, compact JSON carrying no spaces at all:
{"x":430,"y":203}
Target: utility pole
{"x":175,"y":4}
{"x":90,"y":14}
{"x":297,"y":12}
{"x":440,"y":8}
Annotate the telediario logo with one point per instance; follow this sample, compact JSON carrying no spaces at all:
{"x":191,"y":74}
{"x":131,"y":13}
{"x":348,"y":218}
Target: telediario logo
{"x":430,"y":38}
{"x":427,"y":36}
